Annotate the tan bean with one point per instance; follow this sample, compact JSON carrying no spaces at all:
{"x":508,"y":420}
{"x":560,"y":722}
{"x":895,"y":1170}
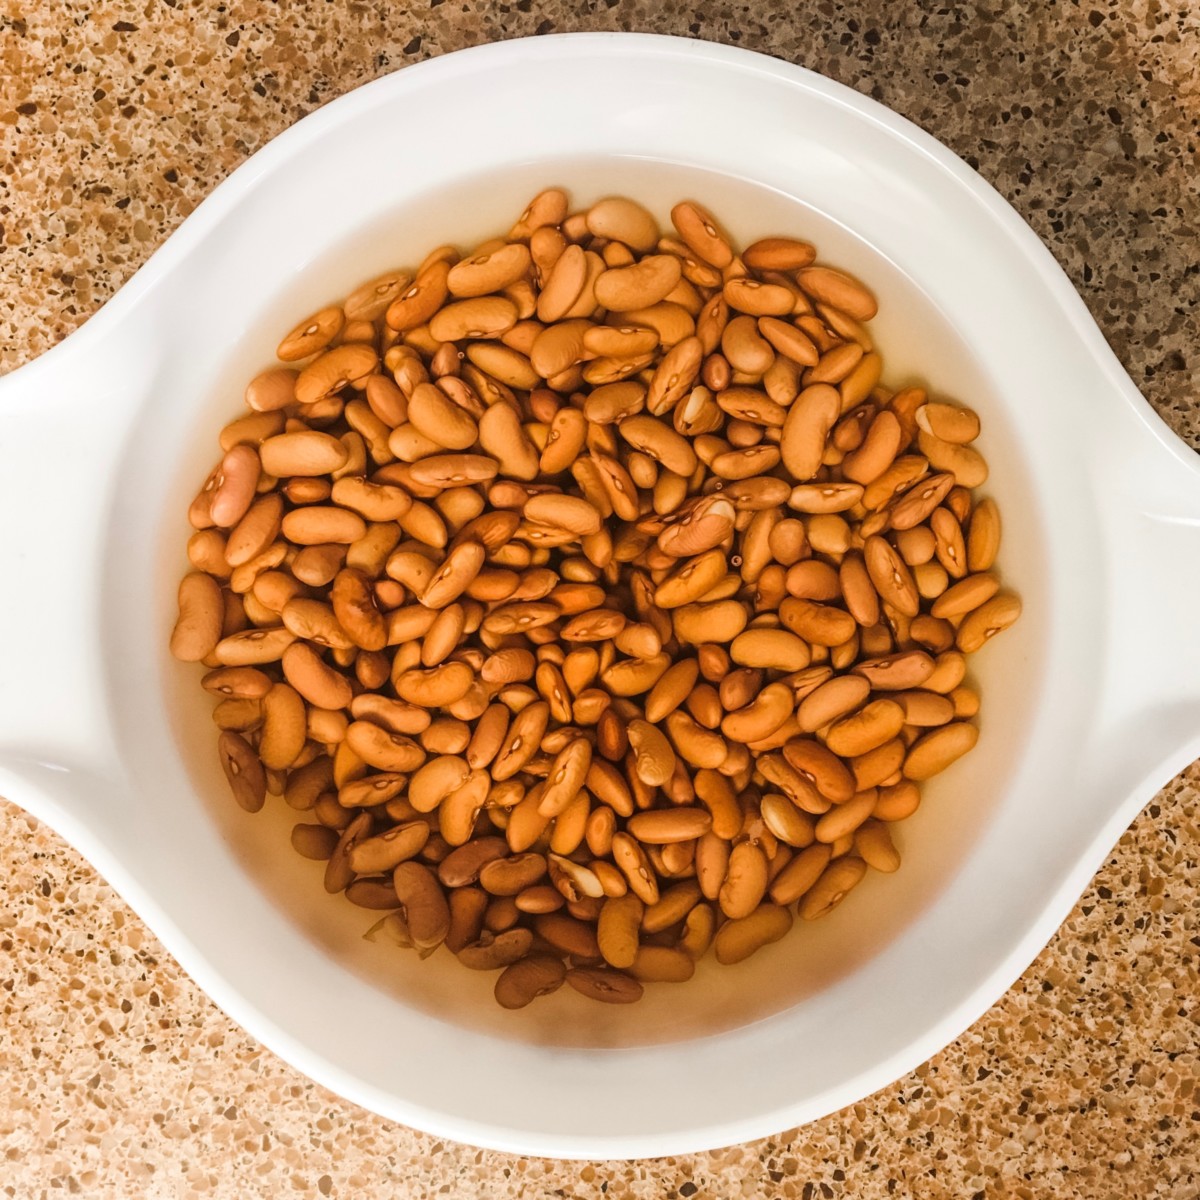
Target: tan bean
{"x":521,"y":740}
{"x":925,"y":708}
{"x":698,"y":930}
{"x":303,"y":453}
{"x":333,"y":370}
{"x":699,"y":230}
{"x":907,"y":470}
{"x":757,"y":298}
{"x":965,"y":463}
{"x":662,"y":826}
{"x":548,"y":207}
{"x":487,"y":272}
{"x":671,"y":907}
{"x":873,"y":842}
{"x":356,"y":612}
{"x":512,"y":874}
{"x":966,"y":595}
{"x":745,"y":881}
{"x":460,"y":868}
{"x":233,"y":486}
{"x":746,"y":350}
{"x":671,"y":689}
{"x":619,"y":341}
{"x":241,"y":682}
{"x":370,"y":301}
{"x":741,"y":937}
{"x":697,"y":746}
{"x":284,"y":727}
{"x":505,"y":439}
{"x":778,"y":254}
{"x":371,"y":791}
{"x":721,"y":622}
{"x":935,"y":751}
{"x":662,"y":964}
{"x":645,"y":283}
{"x":789,"y":341}
{"x":469,"y":908}
{"x":271,"y":390}
{"x":711,"y":864}
{"x":786,"y":821}
{"x":253,"y":646}
{"x":838,"y":290}
{"x":435,"y":780}
{"x":564,"y":284}
{"x":718,"y":796}
{"x":558,"y":347}
{"x":568,"y":935}
{"x":316,"y":842}
{"x":844,"y":819}
{"x":458,"y":812}
{"x":897,"y":672}
{"x":383,"y":749}
{"x":990,"y":618}
{"x":437,"y":687}
{"x":897,"y":802}
{"x":479,"y":317}
{"x":864,"y":730}
{"x":890,"y":576}
{"x":948,"y":422}
{"x":675,"y":375}
{"x":566,"y":777}
{"x":385,"y":851}
{"x":317,"y":565}
{"x":835,"y":883}
{"x":495,"y":950}
{"x":338,"y":874}
{"x":605,"y":984}
{"x":244,"y":771}
{"x":422,"y":903}
{"x":817,"y":624}
{"x":949,"y":672}
{"x":623,"y":220}
{"x":766,"y":713}
{"x":949,"y":544}
{"x":983,"y":535}
{"x":822,"y":767}
{"x":529,"y":977}
{"x":631,"y":860}
{"x":312,"y":334}
{"x":251,"y":429}
{"x":316,"y":525}
{"x":313,"y":678}
{"x":654,"y":759}
{"x":660,"y":442}
{"x":197,"y":630}
{"x":440,"y":420}
{"x":808,"y":423}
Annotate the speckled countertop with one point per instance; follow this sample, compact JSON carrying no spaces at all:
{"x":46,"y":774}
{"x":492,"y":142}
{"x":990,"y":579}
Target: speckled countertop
{"x":118,"y":1077}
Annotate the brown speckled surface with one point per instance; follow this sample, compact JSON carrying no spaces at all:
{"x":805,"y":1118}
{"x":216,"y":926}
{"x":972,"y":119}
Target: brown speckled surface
{"x":119,"y":1078}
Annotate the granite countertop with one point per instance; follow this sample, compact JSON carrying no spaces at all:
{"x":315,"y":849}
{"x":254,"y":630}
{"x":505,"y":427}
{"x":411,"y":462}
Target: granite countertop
{"x":118,"y":1077}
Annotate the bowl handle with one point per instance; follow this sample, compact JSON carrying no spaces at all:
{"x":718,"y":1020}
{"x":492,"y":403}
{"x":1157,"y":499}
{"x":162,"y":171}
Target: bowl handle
{"x":63,"y":420}
{"x":1147,"y":484}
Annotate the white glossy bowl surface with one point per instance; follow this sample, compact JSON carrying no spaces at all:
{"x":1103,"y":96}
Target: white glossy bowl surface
{"x":1087,"y":705}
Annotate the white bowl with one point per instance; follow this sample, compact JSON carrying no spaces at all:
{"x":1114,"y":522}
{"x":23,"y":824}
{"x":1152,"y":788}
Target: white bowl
{"x":1089,"y":702}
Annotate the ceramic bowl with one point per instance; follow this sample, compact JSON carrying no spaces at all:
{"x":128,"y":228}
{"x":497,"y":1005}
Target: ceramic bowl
{"x":1089,"y":703}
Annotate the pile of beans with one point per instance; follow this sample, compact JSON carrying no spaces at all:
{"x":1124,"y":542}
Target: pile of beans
{"x":591,"y":597}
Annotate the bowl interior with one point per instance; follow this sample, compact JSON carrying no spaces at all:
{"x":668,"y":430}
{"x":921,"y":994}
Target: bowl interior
{"x":172,"y":753}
